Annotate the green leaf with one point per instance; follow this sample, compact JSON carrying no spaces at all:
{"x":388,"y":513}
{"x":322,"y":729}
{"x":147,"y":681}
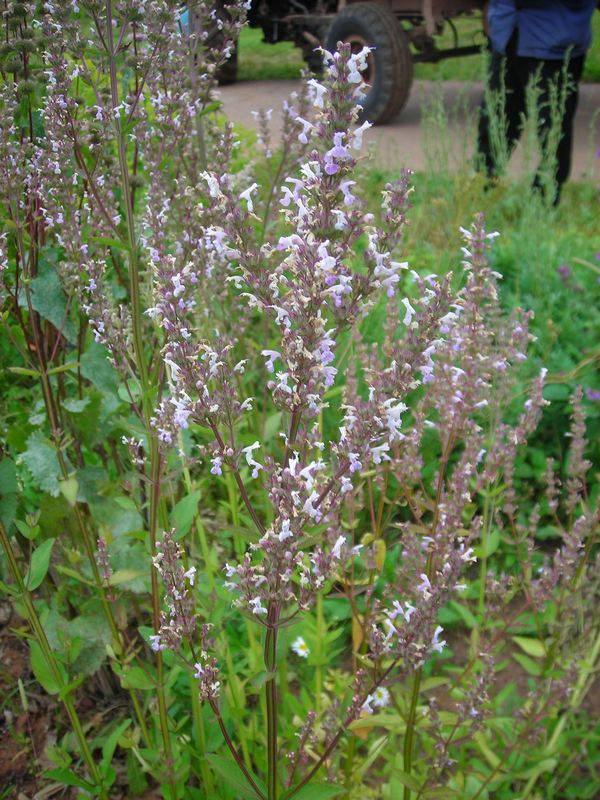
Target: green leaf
{"x":69,"y":488}
{"x":557,"y":391}
{"x":96,"y":368}
{"x":465,"y":613}
{"x":407,"y":780}
{"x":491,"y":543}
{"x":493,"y":760}
{"x":137,"y":678}
{"x":48,"y":299}
{"x":74,"y":405}
{"x":272,"y":425}
{"x":31,"y":373}
{"x":391,"y":722}
{"x":124,"y":575}
{"x":110,"y":745}
{"x":68,"y":778}
{"x":233,"y":777}
{"x":8,"y":477}
{"x":8,"y":492}
{"x":42,"y":462}
{"x":40,"y":561}
{"x":43,"y":672}
{"x":528,"y":665}
{"x":63,"y":368}
{"x":533,"y":647}
{"x":546,"y":765}
{"x":117,"y":513}
{"x":184,"y":513}
{"x":317,"y":791}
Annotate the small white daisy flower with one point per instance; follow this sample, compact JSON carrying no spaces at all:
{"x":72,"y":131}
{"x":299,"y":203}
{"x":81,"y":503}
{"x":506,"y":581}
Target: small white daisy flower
{"x":300,"y":647}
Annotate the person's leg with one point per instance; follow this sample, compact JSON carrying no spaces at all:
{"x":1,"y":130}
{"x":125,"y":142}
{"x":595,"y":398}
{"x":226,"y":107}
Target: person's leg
{"x":501,"y":111}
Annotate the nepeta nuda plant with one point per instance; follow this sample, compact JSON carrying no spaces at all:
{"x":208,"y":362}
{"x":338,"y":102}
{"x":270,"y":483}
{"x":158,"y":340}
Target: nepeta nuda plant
{"x":234,"y":312}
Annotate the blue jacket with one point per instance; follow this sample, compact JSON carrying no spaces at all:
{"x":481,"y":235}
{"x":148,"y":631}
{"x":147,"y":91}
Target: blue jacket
{"x":547,"y":29}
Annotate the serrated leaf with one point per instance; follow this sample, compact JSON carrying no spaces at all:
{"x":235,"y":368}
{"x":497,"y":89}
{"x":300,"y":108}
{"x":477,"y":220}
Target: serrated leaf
{"x":48,"y":299}
{"x":42,"y":462}
{"x":96,"y":368}
{"x":533,"y":647}
{"x":74,"y":405}
{"x":40,"y":561}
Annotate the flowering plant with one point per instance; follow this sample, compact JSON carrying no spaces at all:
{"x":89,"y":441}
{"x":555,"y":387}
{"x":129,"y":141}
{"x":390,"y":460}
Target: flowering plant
{"x":275,"y":466}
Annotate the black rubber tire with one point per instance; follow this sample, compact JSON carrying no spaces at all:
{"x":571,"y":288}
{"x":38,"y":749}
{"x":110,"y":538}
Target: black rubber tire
{"x":378,"y":28}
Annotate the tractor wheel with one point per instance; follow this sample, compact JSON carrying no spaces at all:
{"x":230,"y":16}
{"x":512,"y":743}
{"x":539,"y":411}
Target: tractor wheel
{"x":390,"y":68}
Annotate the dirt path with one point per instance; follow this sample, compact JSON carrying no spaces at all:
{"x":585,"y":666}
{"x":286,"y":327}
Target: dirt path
{"x":422,"y":133}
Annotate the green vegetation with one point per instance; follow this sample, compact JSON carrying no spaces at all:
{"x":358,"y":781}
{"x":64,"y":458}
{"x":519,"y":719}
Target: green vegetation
{"x":260,"y":61}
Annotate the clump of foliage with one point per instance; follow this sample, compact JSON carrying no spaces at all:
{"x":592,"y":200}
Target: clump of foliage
{"x":299,"y":560}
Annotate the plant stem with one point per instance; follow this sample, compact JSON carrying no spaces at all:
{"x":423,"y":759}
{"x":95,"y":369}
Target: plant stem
{"x":138,"y":347}
{"x":271,"y":696}
{"x":232,"y":749}
{"x":41,"y":639}
{"x":207,"y":781}
{"x":410,"y":729}
{"x":201,"y":531}
{"x":321,"y":632}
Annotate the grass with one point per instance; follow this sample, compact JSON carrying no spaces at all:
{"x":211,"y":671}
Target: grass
{"x":260,"y":61}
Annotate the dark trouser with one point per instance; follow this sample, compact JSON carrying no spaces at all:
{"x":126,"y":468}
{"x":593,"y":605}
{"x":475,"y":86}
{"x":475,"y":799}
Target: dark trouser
{"x":514,"y":73}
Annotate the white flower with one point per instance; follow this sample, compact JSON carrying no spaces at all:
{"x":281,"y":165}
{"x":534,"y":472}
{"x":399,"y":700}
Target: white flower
{"x":156,"y":644}
{"x":358,"y":135}
{"x":247,"y":451}
{"x":366,"y":706}
{"x":300,"y":647}
{"x":285,"y":532}
{"x":190,"y":574}
{"x":317,"y":93}
{"x":247,"y":196}
{"x":379,"y":453}
{"x":381,"y":697}
{"x":425,"y":586}
{"x":257,"y":606}
{"x":410,"y":311}
{"x":270,"y":355}
{"x":337,"y":547}
{"x":437,"y":643}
